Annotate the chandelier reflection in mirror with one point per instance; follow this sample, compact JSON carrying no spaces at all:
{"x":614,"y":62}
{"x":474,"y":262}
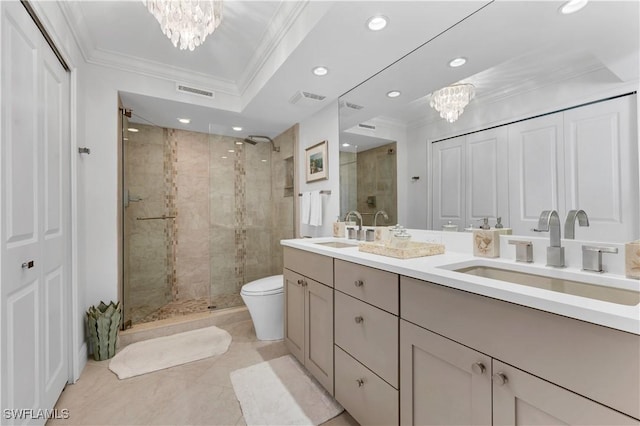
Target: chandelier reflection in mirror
{"x":450,"y":101}
{"x":187,"y":22}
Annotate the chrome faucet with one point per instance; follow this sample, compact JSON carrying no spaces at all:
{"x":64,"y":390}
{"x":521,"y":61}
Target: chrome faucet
{"x":384,"y":215}
{"x":549,"y":221}
{"x":360,"y":232}
{"x":570,"y":223}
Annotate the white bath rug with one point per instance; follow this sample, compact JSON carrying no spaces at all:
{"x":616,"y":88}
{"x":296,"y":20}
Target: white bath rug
{"x":282,"y":392}
{"x":168,"y":351}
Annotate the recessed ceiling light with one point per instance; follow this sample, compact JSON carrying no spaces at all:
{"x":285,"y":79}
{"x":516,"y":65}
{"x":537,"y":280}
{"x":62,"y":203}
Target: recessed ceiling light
{"x":393,"y":94}
{"x":378,"y":22}
{"x":264,"y":161}
{"x":125,"y":139}
{"x":231,"y":150}
{"x":239,"y":142}
{"x":572,"y":6}
{"x":457,"y":62}
{"x":184,"y":120}
{"x":346,"y":144}
{"x":133,"y":130}
{"x":320,"y":71}
{"x":237,"y":128}
{"x":224,"y":156}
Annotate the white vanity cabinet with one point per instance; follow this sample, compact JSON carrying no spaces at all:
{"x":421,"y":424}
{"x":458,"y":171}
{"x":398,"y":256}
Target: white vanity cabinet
{"x":366,"y":343}
{"x":308,"y":315}
{"x":545,"y":368}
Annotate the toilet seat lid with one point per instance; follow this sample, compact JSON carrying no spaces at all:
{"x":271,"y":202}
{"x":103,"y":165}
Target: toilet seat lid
{"x":264,"y":286}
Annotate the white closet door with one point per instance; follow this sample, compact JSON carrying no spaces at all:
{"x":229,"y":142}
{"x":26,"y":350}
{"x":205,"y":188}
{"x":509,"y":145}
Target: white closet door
{"x":487,"y":177}
{"x":35,"y":242}
{"x":601,"y":168}
{"x":448,"y":168}
{"x":536,"y":171}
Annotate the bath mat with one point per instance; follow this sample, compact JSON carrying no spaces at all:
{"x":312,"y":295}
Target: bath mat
{"x":168,"y":351}
{"x":282,"y":392}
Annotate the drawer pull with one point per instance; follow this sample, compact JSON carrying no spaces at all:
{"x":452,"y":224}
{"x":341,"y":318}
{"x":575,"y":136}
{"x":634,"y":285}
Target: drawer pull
{"x":478,"y":368}
{"x":28,"y":265}
{"x":500,"y":379}
{"x":358,"y":283}
{"x":302,"y":283}
{"x":359,"y":319}
{"x":360,"y":382}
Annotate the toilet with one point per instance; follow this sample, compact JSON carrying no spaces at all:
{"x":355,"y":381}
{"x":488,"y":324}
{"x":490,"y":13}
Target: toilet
{"x":265,"y":300}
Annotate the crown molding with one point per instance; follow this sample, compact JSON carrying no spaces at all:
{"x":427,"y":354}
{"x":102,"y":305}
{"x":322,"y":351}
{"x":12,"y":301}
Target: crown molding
{"x":283,"y":20}
{"x":285,"y":17}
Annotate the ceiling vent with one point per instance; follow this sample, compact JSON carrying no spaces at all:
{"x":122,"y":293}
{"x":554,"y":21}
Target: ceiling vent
{"x":195,"y":91}
{"x":367,"y":126}
{"x":306,"y":98}
{"x":353,"y":106}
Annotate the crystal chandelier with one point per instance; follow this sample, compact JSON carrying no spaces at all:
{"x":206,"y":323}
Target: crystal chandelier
{"x":450,"y":101}
{"x":186,"y":21}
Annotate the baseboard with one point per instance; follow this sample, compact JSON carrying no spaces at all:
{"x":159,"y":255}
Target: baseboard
{"x":82,"y":356}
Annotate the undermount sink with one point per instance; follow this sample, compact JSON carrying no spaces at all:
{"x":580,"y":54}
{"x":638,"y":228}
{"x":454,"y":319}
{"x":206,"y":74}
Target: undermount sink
{"x":576,"y":288}
{"x":336,"y":244}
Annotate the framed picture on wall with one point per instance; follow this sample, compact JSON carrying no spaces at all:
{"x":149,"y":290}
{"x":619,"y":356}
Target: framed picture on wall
{"x":316,"y":162}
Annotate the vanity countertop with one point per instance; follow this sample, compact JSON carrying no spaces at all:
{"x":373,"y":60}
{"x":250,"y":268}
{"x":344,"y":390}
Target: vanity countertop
{"x":437,"y":269}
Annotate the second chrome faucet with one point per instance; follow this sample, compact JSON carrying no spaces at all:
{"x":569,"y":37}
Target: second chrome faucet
{"x":549,"y":221}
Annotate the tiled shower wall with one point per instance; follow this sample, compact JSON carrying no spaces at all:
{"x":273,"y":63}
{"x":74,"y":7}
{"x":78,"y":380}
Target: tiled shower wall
{"x":231,"y":212}
{"x":148,"y":277}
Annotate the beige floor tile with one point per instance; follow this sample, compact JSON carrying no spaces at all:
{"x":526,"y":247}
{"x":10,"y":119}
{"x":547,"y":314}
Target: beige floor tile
{"x":198,"y":393}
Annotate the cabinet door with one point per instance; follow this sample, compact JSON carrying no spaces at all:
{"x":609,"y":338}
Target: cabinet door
{"x":448,"y":158}
{"x":487,"y":176}
{"x":527,"y":400}
{"x":441,"y":381}
{"x":318,"y":353}
{"x":294,"y":313}
{"x":601,"y":168}
{"x":536,"y":175}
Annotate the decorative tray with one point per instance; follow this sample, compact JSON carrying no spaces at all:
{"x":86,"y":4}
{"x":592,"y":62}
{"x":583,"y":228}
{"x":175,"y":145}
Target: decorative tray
{"x":413,"y":249}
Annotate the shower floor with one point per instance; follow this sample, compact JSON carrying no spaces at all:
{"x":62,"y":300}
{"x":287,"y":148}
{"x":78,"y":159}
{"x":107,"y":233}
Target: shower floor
{"x":192,"y":306}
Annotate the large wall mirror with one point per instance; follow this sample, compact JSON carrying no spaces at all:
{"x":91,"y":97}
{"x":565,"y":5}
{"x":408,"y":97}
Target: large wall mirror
{"x":555,"y":109}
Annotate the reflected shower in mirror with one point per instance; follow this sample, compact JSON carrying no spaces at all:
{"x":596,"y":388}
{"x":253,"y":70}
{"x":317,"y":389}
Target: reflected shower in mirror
{"x":368,"y":178}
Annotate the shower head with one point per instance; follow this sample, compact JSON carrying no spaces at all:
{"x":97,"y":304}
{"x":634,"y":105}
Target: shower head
{"x":252,"y":140}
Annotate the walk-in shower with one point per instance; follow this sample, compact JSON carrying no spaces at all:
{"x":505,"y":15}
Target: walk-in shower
{"x":203,"y":214}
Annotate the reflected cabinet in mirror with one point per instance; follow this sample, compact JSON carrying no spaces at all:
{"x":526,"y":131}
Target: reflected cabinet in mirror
{"x":516,"y":109}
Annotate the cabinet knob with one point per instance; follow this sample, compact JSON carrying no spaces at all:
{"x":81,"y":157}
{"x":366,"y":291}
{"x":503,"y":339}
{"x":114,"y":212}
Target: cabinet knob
{"x":300,"y":282}
{"x":500,"y":379}
{"x":358,"y":283}
{"x":359,"y":319}
{"x":360,"y":382}
{"x":28,"y":265}
{"x":478,"y":368}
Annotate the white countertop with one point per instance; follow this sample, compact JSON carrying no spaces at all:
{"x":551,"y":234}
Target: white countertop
{"x":433,"y":269}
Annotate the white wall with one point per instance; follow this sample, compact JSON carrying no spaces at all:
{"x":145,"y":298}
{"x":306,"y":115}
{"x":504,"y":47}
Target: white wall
{"x":321,"y":126}
{"x":589,"y":87}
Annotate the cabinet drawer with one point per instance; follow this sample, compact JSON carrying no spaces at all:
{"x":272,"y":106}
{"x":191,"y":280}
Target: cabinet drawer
{"x":369,"y":399}
{"x":369,"y":334}
{"x":597,"y":362}
{"x":311,"y":265}
{"x":379,"y":288}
